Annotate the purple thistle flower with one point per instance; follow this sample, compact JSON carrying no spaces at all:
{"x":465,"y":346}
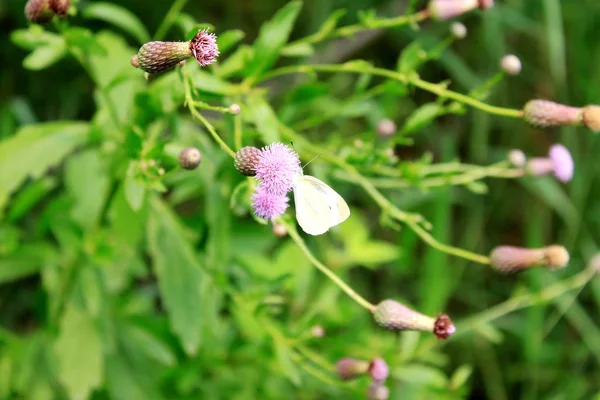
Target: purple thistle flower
{"x":379,"y":370}
{"x":277,"y":166}
{"x":204,"y":47}
{"x":268,"y":205}
{"x":563,"y":162}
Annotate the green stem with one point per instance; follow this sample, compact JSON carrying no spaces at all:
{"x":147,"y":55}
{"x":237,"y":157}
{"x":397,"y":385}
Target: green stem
{"x":361,"y":68}
{"x":237,"y":127}
{"x":350,"y":30}
{"x":334,"y":278}
{"x":169,"y":19}
{"x":189,"y":101}
{"x":412,"y":220}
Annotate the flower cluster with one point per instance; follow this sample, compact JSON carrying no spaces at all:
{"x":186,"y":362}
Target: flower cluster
{"x":275,"y":166}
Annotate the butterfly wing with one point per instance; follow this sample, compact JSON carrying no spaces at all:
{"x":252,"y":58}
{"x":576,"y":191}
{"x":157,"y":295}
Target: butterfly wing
{"x":318,"y":207}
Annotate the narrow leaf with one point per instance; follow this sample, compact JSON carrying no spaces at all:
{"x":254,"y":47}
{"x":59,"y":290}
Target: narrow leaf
{"x":179,"y":274}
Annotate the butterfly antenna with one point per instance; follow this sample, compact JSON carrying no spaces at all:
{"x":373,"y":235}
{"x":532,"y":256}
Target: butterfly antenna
{"x":311,"y":160}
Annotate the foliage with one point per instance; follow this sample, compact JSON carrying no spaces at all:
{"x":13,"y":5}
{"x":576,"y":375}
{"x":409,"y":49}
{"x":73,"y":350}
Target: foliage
{"x":124,"y":276}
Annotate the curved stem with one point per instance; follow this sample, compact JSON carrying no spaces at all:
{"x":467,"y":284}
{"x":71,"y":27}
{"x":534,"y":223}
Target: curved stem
{"x":350,"y":30}
{"x":340,"y":283}
{"x":363,"y":68}
{"x":191,"y":105}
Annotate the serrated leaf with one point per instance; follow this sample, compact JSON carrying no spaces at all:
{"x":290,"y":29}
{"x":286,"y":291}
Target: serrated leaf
{"x":259,"y":111}
{"x":87,"y":181}
{"x":421,"y":117}
{"x":43,"y":57}
{"x":119,"y":17}
{"x":34,"y":149}
{"x":179,"y":274}
{"x":78,"y":350}
{"x":272,"y":37}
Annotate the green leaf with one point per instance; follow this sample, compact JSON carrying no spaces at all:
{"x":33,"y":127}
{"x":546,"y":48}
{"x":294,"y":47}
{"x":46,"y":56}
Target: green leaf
{"x":236,"y":62}
{"x":88,"y":182}
{"x":119,"y":17}
{"x":212,"y":84}
{"x":43,"y":57}
{"x":143,"y":342}
{"x":421,"y":375}
{"x":411,"y":58}
{"x":34,"y":37}
{"x":27,"y":198}
{"x":26,"y":261}
{"x":460,"y":377}
{"x":421,"y":117}
{"x":550,"y":192}
{"x":259,"y":111}
{"x":285,"y":362}
{"x":34,"y":149}
{"x":272,"y":37}
{"x":78,"y":350}
{"x":298,"y":50}
{"x":331,"y":22}
{"x":135,"y":190}
{"x":228,"y":39}
{"x":83,"y":40}
{"x":179,"y":274}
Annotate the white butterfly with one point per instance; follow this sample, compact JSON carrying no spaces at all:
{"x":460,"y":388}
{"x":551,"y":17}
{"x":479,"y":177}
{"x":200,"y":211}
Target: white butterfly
{"x":318,"y":207}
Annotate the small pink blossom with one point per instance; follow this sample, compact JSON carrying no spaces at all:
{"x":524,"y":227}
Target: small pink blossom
{"x":204,"y":47}
{"x":563,"y":162}
{"x":277,"y":167}
{"x":268,"y":205}
{"x":379,"y":370}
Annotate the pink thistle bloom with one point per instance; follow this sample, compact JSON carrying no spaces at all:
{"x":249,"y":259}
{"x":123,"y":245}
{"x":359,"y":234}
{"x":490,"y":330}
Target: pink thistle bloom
{"x":559,"y":162}
{"x":277,"y":167}
{"x":268,"y":205}
{"x":204,"y":47}
{"x":379,"y":370}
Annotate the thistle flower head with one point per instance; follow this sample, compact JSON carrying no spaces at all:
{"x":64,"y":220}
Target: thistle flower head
{"x":458,"y":30}
{"x":591,"y":117}
{"x":351,"y":368}
{"x":246,"y":160}
{"x":157,"y":57}
{"x":204,"y":47}
{"x":446,"y":9}
{"x":386,"y":128}
{"x":268,"y":205}
{"x":510,"y":259}
{"x":562,"y":162}
{"x":60,"y":7}
{"x":379,"y":370}
{"x":511,"y":64}
{"x":39,"y":11}
{"x":277,"y":166}
{"x":517,"y":158}
{"x":378,"y":391}
{"x":393,"y":315}
{"x":190,"y":158}
{"x":546,"y":113}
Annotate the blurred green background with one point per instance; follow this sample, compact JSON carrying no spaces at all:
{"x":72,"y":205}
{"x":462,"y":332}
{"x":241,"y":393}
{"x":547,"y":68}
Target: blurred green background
{"x":263,"y":295}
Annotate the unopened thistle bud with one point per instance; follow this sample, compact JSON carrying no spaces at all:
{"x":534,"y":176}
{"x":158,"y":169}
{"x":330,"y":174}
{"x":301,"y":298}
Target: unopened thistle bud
{"x":234,"y":109}
{"x":546,"y":113}
{"x":393,"y":315}
{"x":379,"y":370}
{"x":351,"y":368}
{"x":279,"y":230}
{"x":246,"y":160}
{"x":317,"y":331}
{"x":446,"y":9}
{"x":511,"y":64}
{"x":386,"y":128}
{"x":458,"y":30}
{"x":378,"y":391}
{"x":157,"y":57}
{"x":510,"y":259}
{"x":190,"y":158}
{"x":42,"y":11}
{"x":517,"y":158}
{"x":591,"y":117}
{"x":559,"y":162}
